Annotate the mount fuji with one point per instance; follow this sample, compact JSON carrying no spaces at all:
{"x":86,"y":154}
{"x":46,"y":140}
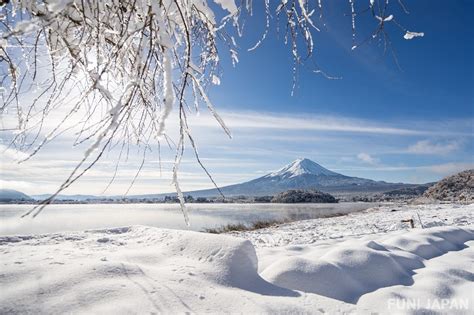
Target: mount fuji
{"x":300,"y":174}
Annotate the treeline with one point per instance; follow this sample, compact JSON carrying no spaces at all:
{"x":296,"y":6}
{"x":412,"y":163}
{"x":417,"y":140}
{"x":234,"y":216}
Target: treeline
{"x":289,"y":196}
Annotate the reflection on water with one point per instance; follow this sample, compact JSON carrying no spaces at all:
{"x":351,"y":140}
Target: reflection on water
{"x":70,"y":217}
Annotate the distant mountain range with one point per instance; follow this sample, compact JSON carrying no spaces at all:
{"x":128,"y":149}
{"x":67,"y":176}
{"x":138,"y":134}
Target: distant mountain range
{"x":300,"y":174}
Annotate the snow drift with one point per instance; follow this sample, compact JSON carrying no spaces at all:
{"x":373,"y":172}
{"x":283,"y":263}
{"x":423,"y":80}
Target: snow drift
{"x":352,"y":269}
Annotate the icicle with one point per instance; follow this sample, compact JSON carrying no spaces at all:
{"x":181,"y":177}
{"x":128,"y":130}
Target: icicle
{"x":177,"y":187}
{"x":168,"y":93}
{"x":211,"y":107}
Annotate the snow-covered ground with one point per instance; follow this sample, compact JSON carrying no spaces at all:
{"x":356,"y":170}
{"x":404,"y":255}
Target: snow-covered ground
{"x":360,"y":263}
{"x":381,"y":219}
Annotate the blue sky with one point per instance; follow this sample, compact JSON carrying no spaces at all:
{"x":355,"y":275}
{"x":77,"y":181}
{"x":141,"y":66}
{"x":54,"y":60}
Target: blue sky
{"x":412,"y":123}
{"x":435,"y":79}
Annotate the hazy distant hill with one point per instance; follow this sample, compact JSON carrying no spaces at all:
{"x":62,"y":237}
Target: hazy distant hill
{"x":68,"y":197}
{"x":455,"y":188}
{"x":409,"y":192}
{"x":8,"y":195}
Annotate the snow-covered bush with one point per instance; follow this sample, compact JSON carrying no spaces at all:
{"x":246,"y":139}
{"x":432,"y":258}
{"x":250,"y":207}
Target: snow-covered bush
{"x":455,"y":188}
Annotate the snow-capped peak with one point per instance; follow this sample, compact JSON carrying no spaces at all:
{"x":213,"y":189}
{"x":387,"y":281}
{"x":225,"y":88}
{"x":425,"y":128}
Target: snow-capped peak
{"x":300,"y":167}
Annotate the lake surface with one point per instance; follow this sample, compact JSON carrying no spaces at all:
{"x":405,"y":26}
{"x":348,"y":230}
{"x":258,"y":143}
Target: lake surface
{"x":78,"y":217}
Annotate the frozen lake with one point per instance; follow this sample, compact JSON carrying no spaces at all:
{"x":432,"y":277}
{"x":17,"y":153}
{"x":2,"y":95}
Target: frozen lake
{"x":77,"y":217}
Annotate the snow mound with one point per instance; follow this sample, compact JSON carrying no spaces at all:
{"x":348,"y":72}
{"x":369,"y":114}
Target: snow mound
{"x":227,"y":261}
{"x":355,"y":268}
{"x":445,"y":285}
{"x":131,"y":270}
{"x":432,"y":242}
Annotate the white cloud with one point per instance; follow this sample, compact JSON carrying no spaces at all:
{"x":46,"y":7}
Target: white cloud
{"x":442,"y":169}
{"x":286,"y":121}
{"x":450,"y":168}
{"x":429,"y":147}
{"x":16,"y":185}
{"x":367,"y":158}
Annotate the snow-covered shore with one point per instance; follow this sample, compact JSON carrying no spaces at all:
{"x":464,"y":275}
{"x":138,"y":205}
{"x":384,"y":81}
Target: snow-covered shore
{"x":377,"y":220}
{"x":360,"y":263}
